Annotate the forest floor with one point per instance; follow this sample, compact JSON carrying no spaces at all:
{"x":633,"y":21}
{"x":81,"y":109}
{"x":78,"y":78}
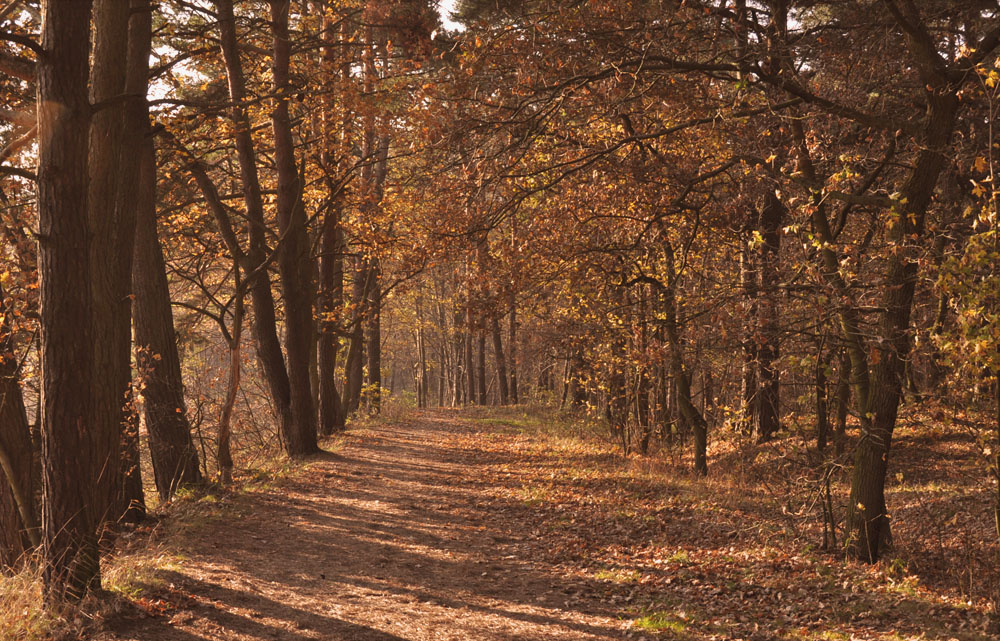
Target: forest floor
{"x":456,"y":526}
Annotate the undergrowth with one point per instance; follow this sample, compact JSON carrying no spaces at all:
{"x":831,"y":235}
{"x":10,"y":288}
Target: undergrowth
{"x":128,"y":577}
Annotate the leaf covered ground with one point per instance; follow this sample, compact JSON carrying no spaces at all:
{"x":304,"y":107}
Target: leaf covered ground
{"x":507,"y":525}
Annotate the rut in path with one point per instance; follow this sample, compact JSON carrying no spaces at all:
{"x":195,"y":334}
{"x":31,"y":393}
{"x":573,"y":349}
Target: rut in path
{"x":384,"y":541}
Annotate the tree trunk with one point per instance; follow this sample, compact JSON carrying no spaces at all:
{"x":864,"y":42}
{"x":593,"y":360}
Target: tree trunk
{"x":749,"y":276}
{"x":72,"y":507}
{"x":265,"y":330}
{"x":937,"y":364}
{"x":443,"y":331}
{"x":617,"y":409}
{"x":867,"y":522}
{"x":767,"y":410}
{"x":470,"y":368}
{"x":843,"y":398}
{"x":458,"y":337}
{"x":481,"y":373}
{"x":18,"y":513}
{"x":577,"y":392}
{"x":116,"y":132}
{"x":171,"y":449}
{"x":661,"y":390}
{"x":501,"y":361}
{"x":422,"y":383}
{"x":331,"y":285}
{"x":224,"y":455}
{"x":642,"y":384}
{"x":374,"y":332}
{"x":332,"y":300}
{"x":294,"y":263}
{"x":822,"y":419}
{"x":996,"y":449}
{"x":686,"y":407}
{"x":567,"y":381}
{"x":354,"y":367}
{"x":512,"y":348}
{"x":130,"y":198}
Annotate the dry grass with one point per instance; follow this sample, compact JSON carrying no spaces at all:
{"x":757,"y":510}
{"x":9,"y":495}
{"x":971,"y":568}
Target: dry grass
{"x":130,"y":578}
{"x":22,"y":617}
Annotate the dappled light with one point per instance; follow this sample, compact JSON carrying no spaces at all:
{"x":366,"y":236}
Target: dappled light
{"x":499,"y":319}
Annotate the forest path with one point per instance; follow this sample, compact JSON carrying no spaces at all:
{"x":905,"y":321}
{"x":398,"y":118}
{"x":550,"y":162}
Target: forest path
{"x":392,"y":538}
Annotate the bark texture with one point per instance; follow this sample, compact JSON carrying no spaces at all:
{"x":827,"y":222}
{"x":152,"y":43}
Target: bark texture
{"x":71,"y":508}
{"x":294,"y":264}
{"x":111,"y":204}
{"x":172,"y":451}
{"x":18,"y":512}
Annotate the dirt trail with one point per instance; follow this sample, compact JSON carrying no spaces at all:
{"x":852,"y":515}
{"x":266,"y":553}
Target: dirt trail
{"x":384,"y":541}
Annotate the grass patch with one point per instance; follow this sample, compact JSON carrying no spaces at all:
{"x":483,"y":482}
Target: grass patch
{"x":519,"y":424}
{"x":680,"y":556}
{"x":22,"y":617}
{"x":539,"y":420}
{"x":533,"y":495}
{"x":618,"y":576}
{"x":129,"y":576}
{"x":136,"y":574}
{"x":661,"y":622}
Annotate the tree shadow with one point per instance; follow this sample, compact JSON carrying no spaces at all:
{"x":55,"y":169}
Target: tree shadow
{"x":398,"y":526}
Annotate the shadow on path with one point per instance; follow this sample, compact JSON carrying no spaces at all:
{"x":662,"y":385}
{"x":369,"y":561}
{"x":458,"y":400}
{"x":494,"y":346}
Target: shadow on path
{"x":382,"y":543}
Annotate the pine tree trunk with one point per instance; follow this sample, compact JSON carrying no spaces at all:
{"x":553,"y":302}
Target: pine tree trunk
{"x":72,"y":507}
{"x":642,"y":385}
{"x":130,"y":199}
{"x":617,"y":409}
{"x":458,"y":337}
{"x":112,"y":225}
{"x":331,"y":285}
{"x":443,"y":352}
{"x":172,"y":451}
{"x":354,"y":366}
{"x":578,"y":392}
{"x":265,"y":332}
{"x":422,"y":382}
{"x":750,"y":387}
{"x":996,"y":449}
{"x":331,"y":297}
